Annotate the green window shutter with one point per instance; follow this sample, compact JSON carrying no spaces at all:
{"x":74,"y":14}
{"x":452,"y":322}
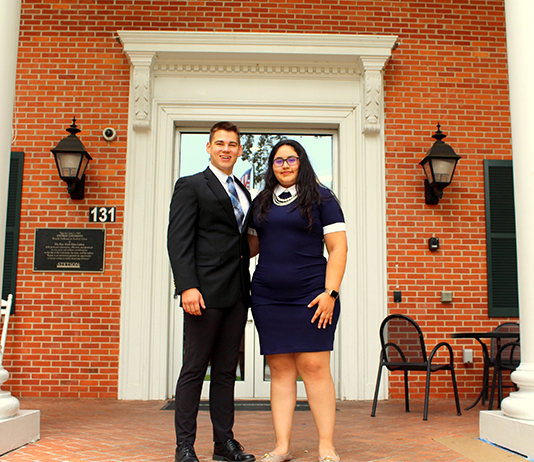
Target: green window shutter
{"x":503,"y":298}
{"x":9,"y":282}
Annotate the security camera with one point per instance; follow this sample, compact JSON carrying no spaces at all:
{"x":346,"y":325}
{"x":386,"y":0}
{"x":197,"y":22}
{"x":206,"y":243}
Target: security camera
{"x":109,"y":134}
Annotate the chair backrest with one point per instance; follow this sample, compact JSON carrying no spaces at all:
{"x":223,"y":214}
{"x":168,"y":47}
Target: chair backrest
{"x":402,"y":340}
{"x":4,"y":321}
{"x":512,"y":327}
{"x":509,"y":356}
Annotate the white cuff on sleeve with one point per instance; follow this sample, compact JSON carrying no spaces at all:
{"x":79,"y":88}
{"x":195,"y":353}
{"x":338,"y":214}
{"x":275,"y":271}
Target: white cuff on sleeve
{"x":333,"y":228}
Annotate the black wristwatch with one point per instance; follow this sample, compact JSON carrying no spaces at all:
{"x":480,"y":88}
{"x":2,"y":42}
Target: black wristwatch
{"x":334,"y":294}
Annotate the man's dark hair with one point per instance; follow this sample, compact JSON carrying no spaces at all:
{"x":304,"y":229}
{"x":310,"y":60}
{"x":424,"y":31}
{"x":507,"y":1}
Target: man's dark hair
{"x":226,"y":126}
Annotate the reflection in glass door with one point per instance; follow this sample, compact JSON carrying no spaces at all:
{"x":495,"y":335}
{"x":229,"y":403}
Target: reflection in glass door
{"x":252,"y":375}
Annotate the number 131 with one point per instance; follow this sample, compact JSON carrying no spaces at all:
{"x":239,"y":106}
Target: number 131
{"x":101,"y":214}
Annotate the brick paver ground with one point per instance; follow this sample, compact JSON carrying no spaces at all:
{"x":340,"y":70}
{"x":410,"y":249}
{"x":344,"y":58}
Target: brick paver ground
{"x":113,"y":430}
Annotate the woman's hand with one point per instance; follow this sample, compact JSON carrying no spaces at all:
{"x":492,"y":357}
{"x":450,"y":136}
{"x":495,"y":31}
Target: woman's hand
{"x":336,"y":245}
{"x":325,"y":310}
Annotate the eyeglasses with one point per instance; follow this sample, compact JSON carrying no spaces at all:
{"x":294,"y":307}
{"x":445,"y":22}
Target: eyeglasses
{"x":291,"y":161}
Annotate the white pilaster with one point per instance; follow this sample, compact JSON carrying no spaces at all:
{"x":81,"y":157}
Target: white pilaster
{"x":518,"y":409}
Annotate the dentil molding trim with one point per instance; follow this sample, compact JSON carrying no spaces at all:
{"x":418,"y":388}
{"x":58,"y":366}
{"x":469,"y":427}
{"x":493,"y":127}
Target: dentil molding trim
{"x":222,"y":68}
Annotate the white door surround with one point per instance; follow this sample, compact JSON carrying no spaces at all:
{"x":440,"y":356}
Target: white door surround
{"x":306,"y":81}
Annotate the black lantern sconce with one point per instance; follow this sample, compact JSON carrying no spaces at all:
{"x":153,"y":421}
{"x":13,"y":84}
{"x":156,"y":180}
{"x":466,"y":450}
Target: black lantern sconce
{"x":72,"y":160}
{"x":439,"y":165}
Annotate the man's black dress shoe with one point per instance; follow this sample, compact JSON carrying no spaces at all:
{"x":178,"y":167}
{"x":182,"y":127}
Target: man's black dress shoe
{"x":231,"y":451}
{"x":185,"y":453}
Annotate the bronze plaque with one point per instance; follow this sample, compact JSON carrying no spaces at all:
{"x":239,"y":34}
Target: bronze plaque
{"x":69,"y":250}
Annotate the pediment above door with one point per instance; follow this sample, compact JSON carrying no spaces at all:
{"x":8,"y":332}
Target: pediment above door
{"x":261,"y":55}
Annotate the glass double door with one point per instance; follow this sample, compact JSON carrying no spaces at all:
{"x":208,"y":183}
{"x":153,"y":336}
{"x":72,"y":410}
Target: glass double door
{"x":253,"y":374}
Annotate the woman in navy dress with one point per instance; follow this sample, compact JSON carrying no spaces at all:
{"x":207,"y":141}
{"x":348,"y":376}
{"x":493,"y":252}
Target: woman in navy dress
{"x":295,"y":291}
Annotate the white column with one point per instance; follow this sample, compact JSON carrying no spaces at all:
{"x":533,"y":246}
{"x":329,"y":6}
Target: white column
{"x":9,"y":38}
{"x":520,"y":38}
{"x":513,"y":428}
{"x":17,"y":428}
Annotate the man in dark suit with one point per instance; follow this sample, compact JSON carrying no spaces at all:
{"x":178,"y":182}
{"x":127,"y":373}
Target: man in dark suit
{"x":209,"y":255}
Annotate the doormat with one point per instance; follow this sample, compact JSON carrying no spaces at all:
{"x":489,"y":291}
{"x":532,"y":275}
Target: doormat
{"x":243,"y":405}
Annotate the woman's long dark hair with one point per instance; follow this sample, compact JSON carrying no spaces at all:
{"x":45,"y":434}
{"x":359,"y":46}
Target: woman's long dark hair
{"x":307,"y":184}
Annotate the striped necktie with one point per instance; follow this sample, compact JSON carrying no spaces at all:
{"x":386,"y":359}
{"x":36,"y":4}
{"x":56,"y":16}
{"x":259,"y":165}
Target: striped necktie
{"x":238,"y":210}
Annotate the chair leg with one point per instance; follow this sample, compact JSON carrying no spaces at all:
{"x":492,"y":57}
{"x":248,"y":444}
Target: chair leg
{"x":492,"y":393}
{"x":377,"y":388}
{"x":485,"y":383}
{"x":500,"y":388}
{"x":456,"y":395}
{"x":427,"y":394}
{"x":406,"y":393}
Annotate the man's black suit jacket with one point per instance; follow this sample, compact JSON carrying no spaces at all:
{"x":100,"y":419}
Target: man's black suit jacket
{"x":206,"y":249}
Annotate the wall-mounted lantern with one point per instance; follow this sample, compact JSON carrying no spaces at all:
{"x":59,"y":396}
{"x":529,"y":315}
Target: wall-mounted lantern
{"x":72,"y":160}
{"x":439,"y":165}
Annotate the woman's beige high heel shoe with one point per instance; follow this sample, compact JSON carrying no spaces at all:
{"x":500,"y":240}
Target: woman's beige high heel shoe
{"x":329,"y":459}
{"x":270,"y":457}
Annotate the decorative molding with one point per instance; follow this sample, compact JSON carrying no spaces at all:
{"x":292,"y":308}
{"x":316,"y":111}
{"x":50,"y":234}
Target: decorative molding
{"x":258,"y":47}
{"x":141,"y":87}
{"x":252,"y":68}
{"x":372,"y":68}
{"x":373,"y":101}
{"x":248,"y":54}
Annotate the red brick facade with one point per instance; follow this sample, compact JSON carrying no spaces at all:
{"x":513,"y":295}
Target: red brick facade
{"x":450,"y":67}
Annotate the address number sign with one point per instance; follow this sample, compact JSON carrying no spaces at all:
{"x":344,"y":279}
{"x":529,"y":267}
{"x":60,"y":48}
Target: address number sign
{"x":102,"y":214}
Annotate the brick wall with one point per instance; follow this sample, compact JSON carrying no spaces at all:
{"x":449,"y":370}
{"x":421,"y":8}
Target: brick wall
{"x":450,"y":68}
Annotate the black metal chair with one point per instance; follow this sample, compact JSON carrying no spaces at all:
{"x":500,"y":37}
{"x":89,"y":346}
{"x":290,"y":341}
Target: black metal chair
{"x":403,"y":349}
{"x":509,"y":327}
{"x":508,"y":358}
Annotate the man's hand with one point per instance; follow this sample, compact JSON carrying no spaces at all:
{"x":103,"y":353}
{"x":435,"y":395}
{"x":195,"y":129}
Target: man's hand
{"x":192,"y":301}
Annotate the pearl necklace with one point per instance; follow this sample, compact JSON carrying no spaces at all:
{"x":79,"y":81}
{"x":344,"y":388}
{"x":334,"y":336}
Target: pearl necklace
{"x":282,"y":202}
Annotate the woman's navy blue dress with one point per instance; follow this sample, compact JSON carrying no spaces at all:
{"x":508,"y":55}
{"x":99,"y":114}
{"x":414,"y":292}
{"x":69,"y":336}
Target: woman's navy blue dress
{"x":290,"y":274}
